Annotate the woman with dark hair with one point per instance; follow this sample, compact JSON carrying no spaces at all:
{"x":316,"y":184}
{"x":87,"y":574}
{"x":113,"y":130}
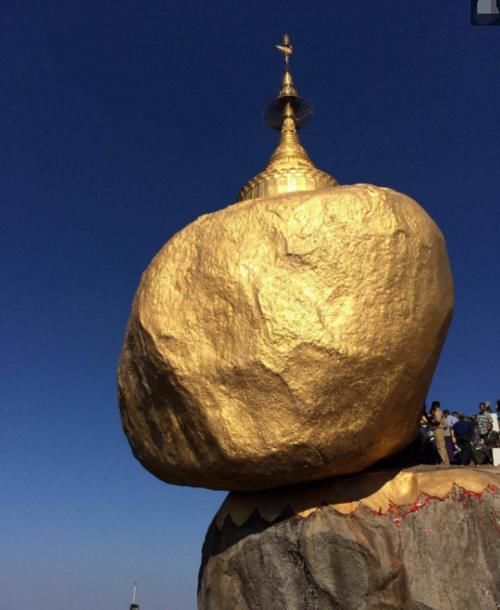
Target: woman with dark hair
{"x":428,"y":454}
{"x":424,"y":424}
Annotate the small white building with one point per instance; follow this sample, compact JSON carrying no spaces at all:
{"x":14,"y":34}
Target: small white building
{"x":487,"y":7}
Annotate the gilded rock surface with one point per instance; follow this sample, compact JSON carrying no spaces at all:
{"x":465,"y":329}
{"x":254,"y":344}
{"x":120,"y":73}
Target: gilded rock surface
{"x":378,"y":490}
{"x":286,"y":339}
{"x":423,"y":552}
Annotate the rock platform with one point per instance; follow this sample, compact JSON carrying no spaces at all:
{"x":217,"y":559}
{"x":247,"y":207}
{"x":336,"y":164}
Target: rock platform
{"x":423,"y":538}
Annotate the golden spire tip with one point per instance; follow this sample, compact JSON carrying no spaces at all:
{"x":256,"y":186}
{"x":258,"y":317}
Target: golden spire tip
{"x":287,"y":49}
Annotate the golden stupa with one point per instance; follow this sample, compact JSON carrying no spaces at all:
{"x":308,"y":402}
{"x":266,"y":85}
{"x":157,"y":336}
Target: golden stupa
{"x":290,"y":168}
{"x":290,"y":336}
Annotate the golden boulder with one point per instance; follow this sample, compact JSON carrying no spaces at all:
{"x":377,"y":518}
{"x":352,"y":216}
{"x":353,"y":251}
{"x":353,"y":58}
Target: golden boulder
{"x":286,"y":339}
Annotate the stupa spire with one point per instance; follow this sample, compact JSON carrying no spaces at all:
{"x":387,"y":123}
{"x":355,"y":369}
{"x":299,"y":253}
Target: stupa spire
{"x":290,"y":168}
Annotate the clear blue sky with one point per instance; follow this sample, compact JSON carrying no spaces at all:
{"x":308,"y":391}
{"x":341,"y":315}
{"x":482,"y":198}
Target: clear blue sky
{"x":124,"y":121}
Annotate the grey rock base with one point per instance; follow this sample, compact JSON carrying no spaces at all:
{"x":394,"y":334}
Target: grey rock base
{"x":444,"y":556}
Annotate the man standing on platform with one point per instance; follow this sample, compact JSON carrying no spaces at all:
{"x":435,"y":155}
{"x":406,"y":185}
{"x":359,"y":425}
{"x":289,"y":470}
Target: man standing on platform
{"x":483,"y":419}
{"x":439,"y":426}
{"x":462,"y":433}
{"x":450,"y":421}
{"x":496,"y":417}
{"x":490,"y":441}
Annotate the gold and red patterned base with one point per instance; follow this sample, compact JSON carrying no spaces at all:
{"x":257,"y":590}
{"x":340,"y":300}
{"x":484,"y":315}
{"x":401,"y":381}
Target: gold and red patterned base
{"x":398,"y":493}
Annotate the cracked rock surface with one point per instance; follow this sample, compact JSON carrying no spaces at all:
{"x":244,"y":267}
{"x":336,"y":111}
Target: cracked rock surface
{"x":444,"y":556}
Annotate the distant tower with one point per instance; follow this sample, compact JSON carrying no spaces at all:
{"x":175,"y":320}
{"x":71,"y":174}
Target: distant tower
{"x":134,"y":605}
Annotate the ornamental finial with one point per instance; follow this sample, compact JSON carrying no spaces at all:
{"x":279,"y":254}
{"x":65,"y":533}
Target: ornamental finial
{"x":287,"y":49}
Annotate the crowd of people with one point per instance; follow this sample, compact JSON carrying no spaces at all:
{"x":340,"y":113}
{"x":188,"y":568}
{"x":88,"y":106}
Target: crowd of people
{"x":454,"y":438}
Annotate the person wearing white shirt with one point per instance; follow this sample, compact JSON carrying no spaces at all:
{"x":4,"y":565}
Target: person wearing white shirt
{"x":451,"y":418}
{"x":447,"y":433}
